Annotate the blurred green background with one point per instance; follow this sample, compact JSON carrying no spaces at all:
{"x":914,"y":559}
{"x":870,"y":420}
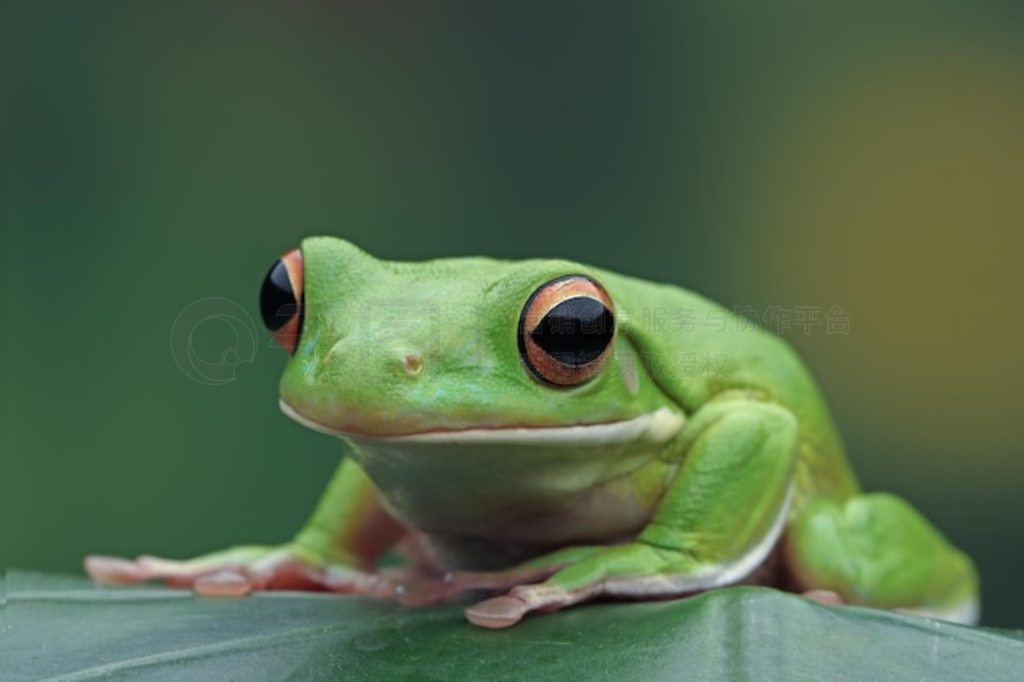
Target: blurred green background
{"x":793,"y":154}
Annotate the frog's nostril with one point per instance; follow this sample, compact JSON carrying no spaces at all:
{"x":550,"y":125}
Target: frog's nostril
{"x":412,"y":363}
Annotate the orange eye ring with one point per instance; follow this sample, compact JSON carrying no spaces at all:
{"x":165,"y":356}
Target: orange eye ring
{"x":566,"y":331}
{"x":281,"y":300}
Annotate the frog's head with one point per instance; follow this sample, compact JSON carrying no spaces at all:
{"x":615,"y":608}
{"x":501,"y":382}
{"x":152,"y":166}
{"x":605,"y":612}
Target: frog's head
{"x":461,"y":349}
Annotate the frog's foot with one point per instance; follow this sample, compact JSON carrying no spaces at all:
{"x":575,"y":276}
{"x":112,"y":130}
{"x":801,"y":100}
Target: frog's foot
{"x":458,"y":582}
{"x":876,"y":550}
{"x":634,"y":570}
{"x":417,"y":587}
{"x":238,"y":571}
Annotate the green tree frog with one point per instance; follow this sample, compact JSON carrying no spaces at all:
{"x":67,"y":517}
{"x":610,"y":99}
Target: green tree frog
{"x":550,"y":433}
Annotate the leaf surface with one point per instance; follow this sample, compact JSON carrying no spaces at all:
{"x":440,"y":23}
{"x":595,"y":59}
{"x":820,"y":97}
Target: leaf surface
{"x":66,"y":628}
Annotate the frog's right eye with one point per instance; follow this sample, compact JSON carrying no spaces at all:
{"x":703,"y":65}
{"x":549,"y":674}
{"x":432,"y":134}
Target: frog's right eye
{"x":566,"y":331}
{"x":281,"y":300}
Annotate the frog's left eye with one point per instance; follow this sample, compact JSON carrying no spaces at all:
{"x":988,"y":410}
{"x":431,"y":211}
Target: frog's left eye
{"x":281,"y":300}
{"x":566,"y":330}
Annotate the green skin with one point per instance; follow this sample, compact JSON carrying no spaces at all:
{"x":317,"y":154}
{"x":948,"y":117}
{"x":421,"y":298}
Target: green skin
{"x":703,"y":456}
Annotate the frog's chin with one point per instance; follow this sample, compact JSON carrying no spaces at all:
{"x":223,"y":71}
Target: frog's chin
{"x":658,"y":426}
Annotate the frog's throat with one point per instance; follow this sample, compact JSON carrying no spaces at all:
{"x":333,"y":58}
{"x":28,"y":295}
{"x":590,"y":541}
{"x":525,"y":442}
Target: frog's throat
{"x":658,"y":426}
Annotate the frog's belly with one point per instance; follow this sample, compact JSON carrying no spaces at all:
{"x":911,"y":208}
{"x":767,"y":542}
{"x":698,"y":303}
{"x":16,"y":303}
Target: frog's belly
{"x":495,"y":506}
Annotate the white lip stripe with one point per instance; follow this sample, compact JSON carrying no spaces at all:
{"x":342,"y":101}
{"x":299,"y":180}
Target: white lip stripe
{"x":653,"y":427}
{"x":308,"y":423}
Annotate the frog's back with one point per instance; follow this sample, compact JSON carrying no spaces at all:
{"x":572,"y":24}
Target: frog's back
{"x":696,"y":349}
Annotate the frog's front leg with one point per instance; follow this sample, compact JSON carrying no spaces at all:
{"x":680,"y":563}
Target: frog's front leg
{"x":335,"y":551}
{"x":718,"y":521}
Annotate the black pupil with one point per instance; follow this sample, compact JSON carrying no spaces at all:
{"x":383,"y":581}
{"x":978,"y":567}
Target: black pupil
{"x":277,"y":299}
{"x":576,"y":331}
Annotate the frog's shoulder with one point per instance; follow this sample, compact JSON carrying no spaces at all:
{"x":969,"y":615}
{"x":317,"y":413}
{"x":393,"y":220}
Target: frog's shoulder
{"x":697,"y":349}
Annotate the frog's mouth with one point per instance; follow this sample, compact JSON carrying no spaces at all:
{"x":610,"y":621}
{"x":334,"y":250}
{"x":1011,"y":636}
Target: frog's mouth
{"x":658,"y":426}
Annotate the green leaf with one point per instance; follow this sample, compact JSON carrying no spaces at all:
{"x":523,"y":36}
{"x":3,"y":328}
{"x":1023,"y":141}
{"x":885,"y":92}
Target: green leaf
{"x":56,"y":626}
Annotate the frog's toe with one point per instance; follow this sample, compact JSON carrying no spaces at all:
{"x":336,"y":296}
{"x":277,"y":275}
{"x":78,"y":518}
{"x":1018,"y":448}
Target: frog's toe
{"x":224,"y":583}
{"x":120,"y":571}
{"x":826,"y":597}
{"x":507,"y":610}
{"x":468,"y":581}
{"x":415,"y":589}
{"x":497,"y":613}
{"x":534,"y":571}
{"x":347,"y":580}
{"x":113,"y":570}
{"x":177,"y":573}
